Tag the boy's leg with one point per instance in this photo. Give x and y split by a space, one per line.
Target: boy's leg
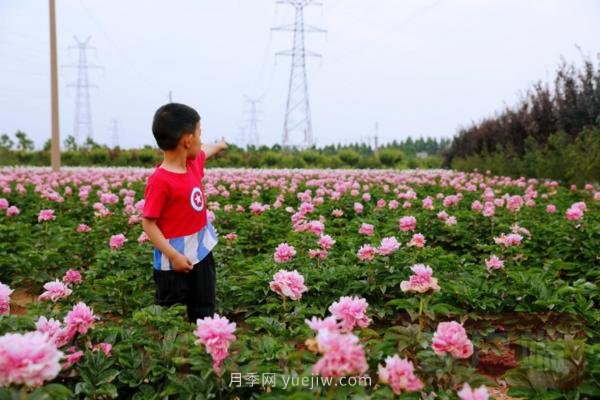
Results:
202 289
171 288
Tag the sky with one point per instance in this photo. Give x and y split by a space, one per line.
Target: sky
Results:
419 68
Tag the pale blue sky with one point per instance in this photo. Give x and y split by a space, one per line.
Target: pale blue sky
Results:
418 67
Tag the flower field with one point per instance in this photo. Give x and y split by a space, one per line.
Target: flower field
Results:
362 284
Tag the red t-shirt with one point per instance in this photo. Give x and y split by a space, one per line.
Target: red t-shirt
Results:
177 200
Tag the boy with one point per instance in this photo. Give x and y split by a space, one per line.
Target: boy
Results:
174 216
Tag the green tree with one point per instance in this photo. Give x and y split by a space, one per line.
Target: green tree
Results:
24 143
6 142
90 144
70 143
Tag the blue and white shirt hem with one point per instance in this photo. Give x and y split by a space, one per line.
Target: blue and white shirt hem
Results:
195 247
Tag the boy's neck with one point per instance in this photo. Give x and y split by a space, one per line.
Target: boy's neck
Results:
174 161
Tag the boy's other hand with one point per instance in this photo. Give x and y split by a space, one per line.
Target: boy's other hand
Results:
181 263
222 144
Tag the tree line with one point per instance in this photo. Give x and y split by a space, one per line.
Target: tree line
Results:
407 153
553 131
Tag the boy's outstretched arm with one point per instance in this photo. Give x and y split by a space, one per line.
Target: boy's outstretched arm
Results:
180 262
210 149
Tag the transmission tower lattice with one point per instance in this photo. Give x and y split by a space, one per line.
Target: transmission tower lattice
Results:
251 131
115 132
297 123
83 114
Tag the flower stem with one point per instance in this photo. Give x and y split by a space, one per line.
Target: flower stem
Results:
421 303
330 392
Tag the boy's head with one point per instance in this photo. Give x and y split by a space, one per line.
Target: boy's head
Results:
172 122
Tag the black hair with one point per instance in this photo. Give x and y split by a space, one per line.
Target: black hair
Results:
171 122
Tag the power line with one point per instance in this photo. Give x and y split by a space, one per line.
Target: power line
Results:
124 56
402 24
297 121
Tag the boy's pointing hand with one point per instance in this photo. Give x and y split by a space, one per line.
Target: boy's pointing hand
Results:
181 263
222 144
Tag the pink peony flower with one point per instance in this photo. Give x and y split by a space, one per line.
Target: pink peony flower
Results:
72 276
3 204
55 290
50 327
46 215
80 318
366 229
450 221
418 240
106 348
257 208
231 236
12 211
408 224
574 214
512 239
28 359
451 337
476 206
216 333
342 355
306 208
350 311
117 241
318 253
451 200
316 323
326 242
5 292
427 203
550 208
83 228
366 253
337 213
466 393
514 203
284 253
63 335
358 208
72 358
316 227
580 205
389 245
210 216
143 238
289 284
399 373
493 263
489 210
421 281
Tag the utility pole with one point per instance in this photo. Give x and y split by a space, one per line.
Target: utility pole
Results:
83 112
297 121
55 147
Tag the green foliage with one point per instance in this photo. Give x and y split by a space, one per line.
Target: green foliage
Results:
561 158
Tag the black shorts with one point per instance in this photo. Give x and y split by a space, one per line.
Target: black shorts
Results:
196 289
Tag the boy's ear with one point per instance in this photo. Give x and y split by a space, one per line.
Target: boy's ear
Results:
186 140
